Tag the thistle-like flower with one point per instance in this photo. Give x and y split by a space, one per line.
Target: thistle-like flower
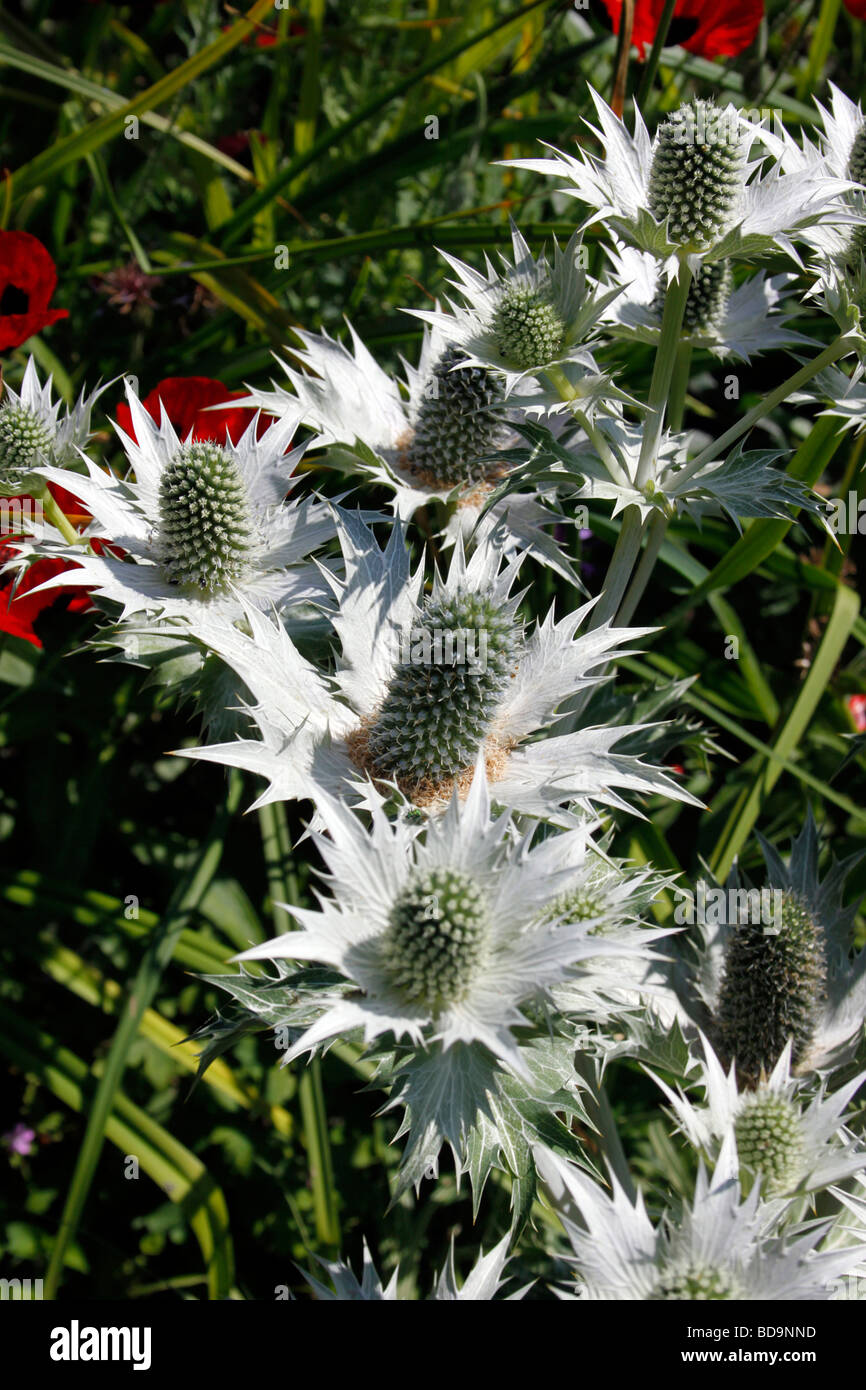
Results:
723 1249
203 527
727 321
426 685
754 986
480 1285
451 941
33 433
446 441
530 316
693 192
790 1139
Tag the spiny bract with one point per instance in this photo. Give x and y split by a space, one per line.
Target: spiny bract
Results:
206 530
771 989
697 173
438 708
457 423
435 944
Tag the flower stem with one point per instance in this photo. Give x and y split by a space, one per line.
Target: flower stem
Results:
283 887
652 62
567 392
58 518
663 370
838 348
655 537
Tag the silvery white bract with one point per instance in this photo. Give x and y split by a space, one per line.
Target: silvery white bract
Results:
842 396
480 1285
203 529
422 685
445 937
791 1139
745 484
454 941
526 317
752 210
441 441
725 1248
730 322
33 432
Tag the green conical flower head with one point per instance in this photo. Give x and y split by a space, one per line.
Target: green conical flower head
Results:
578 905
25 443
435 945
457 423
772 988
857 160
528 328
698 1283
770 1140
698 173
706 300
442 699
205 527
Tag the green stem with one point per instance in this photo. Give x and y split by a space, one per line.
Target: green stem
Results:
621 565
652 64
838 348
283 887
679 386
655 539
58 518
567 392
184 901
663 370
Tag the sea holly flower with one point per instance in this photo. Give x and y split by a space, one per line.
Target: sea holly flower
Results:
444 441
720 30
480 1285
751 987
527 317
450 940
27 279
188 402
33 433
727 320
495 686
692 193
203 528
791 1139
724 1248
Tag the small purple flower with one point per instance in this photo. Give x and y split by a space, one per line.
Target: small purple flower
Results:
20 1139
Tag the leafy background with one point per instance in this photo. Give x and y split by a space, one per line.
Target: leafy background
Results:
312 135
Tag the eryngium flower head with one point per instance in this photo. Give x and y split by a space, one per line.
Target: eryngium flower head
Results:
441 436
697 175
725 320
805 982
416 704
444 936
694 192
32 432
205 525
788 1136
528 316
722 1248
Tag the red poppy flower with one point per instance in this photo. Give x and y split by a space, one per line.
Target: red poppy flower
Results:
857 710
27 279
857 8
19 613
185 399
712 28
